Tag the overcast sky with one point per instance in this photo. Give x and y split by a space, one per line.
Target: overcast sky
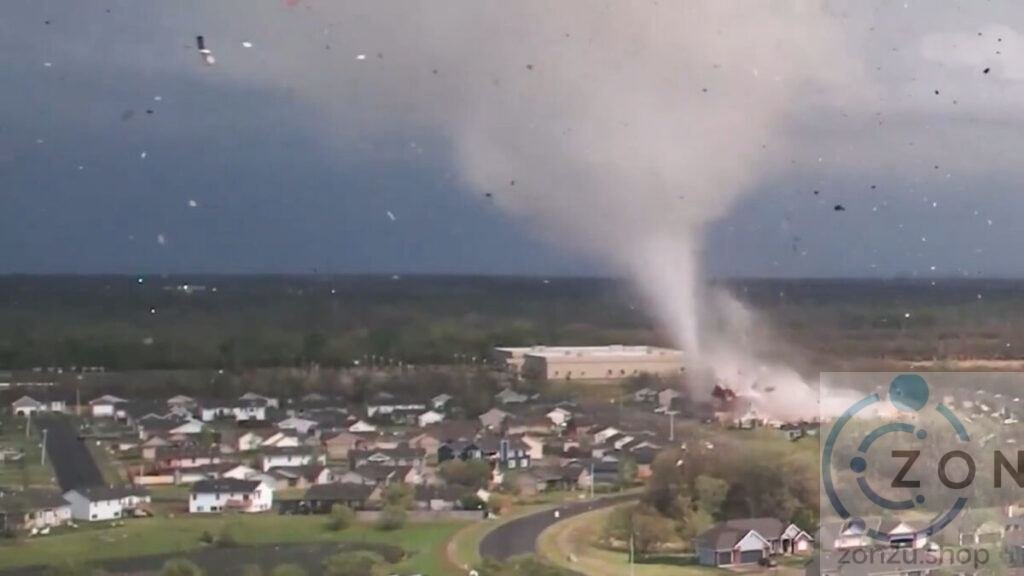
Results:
121 151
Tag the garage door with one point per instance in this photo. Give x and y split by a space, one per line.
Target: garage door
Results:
750 556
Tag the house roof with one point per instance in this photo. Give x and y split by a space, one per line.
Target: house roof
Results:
224 485
399 453
99 493
26 402
107 399
339 492
287 451
28 500
446 493
725 535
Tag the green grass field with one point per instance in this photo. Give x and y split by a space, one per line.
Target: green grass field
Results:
29 472
144 537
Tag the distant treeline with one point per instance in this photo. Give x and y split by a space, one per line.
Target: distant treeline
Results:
239 323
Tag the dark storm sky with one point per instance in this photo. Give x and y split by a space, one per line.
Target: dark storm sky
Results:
239 173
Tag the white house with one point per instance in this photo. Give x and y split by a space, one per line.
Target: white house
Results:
248 441
301 425
95 503
241 472
250 410
106 406
282 439
26 406
228 494
429 417
289 457
559 417
440 402
362 427
266 400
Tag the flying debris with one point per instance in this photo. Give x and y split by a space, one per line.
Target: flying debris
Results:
246 44
360 56
193 204
391 215
205 52
839 208
143 154
986 70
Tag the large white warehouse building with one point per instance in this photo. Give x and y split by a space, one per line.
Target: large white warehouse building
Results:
588 362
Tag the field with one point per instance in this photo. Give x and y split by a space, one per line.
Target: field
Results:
181 536
251 322
29 471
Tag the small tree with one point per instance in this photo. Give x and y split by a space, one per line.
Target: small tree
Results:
341 518
710 493
399 495
392 518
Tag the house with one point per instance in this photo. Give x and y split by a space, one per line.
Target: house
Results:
460 449
534 445
100 503
300 476
667 397
439 498
559 417
169 426
339 445
440 402
375 474
228 494
26 406
322 498
288 457
384 408
509 396
265 400
588 474
33 510
400 456
508 452
645 395
362 427
240 472
493 418
106 406
429 417
282 439
303 426
602 436
248 441
749 540
181 404
538 424
250 408
185 457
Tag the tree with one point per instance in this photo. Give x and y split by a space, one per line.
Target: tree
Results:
710 493
288 570
392 518
473 474
399 496
642 524
627 472
666 484
181 567
341 518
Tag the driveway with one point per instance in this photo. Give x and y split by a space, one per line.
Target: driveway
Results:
519 536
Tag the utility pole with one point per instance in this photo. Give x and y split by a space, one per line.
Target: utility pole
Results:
592 480
28 422
42 455
632 551
672 425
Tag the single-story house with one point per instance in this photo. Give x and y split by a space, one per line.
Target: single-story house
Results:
33 510
106 406
228 494
289 457
320 499
339 445
749 540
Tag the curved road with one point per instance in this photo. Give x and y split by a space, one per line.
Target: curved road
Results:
520 535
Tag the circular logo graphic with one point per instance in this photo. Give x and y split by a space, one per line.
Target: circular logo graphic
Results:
908 393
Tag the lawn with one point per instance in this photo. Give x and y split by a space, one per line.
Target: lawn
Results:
423 542
576 537
29 472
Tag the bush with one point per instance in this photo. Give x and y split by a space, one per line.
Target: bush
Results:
341 518
181 567
226 538
206 537
392 518
349 564
288 570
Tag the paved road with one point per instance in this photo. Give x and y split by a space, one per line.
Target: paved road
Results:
69 456
520 536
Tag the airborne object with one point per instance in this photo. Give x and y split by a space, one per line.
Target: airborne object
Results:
205 52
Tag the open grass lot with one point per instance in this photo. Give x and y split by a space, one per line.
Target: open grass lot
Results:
29 472
152 536
576 537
